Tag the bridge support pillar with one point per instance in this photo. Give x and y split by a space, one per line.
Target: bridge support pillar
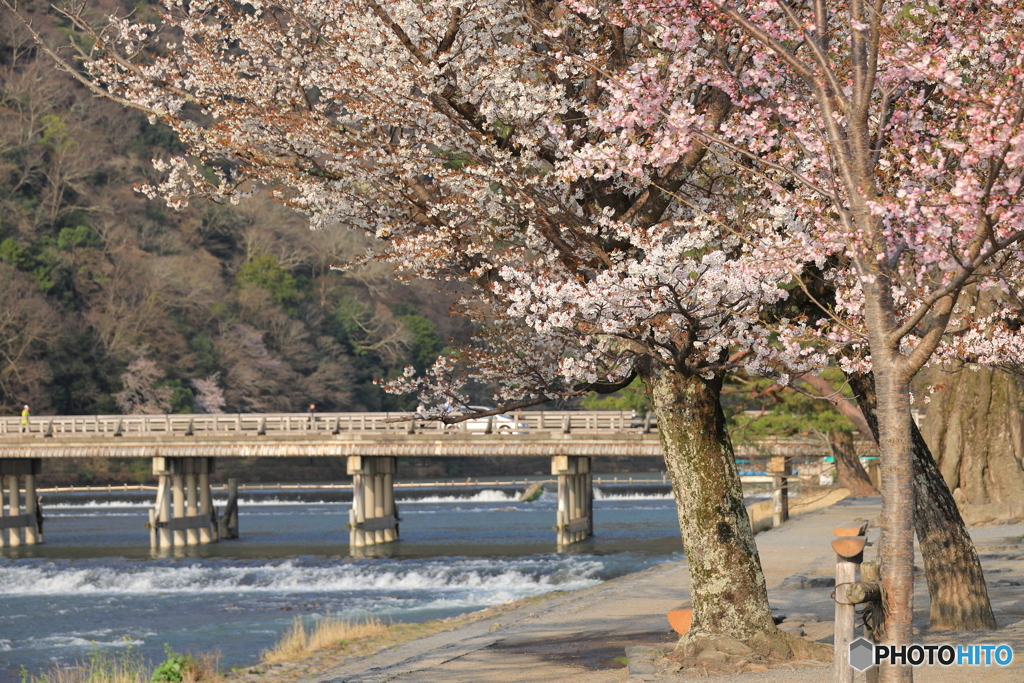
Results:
191 507
574 520
178 505
184 513
229 518
33 534
13 508
12 470
206 508
163 510
373 518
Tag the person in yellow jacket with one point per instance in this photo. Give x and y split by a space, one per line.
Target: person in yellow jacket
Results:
24 419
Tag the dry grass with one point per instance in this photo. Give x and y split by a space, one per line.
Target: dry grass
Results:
202 668
329 631
297 643
126 666
291 646
101 667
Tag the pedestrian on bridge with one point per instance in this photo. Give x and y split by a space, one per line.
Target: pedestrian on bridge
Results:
24 419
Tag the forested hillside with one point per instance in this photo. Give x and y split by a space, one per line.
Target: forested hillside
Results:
116 303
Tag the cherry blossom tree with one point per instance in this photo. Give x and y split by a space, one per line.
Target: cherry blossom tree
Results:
891 133
140 394
459 135
625 190
209 397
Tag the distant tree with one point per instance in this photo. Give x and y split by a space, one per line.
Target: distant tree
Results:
426 343
142 393
790 410
79 236
209 397
372 330
29 328
632 397
255 375
264 271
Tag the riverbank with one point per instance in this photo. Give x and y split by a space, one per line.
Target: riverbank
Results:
581 637
594 652
326 659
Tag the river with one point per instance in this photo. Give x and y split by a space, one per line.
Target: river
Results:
95 584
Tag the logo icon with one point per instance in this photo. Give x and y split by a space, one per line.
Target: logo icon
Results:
862 654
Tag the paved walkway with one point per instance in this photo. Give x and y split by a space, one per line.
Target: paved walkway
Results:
576 638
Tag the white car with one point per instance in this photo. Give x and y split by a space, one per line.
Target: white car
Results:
498 424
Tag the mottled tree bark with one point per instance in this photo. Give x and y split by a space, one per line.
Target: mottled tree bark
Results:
727 586
728 590
956 583
851 472
975 427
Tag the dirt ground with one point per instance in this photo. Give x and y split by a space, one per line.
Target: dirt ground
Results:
581 637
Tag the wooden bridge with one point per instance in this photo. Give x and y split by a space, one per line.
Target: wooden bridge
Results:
183 449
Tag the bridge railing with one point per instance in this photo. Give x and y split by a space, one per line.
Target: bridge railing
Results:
262 424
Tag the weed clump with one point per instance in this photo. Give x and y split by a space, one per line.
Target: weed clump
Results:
327 632
185 668
128 666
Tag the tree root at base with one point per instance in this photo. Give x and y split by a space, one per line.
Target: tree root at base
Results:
720 654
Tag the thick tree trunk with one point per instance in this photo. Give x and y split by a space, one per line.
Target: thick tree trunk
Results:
975 426
729 595
851 472
956 583
727 585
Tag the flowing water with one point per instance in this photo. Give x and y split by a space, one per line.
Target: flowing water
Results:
95 584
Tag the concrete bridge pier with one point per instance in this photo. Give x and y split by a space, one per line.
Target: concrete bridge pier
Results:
206 535
12 470
373 518
184 513
228 525
574 520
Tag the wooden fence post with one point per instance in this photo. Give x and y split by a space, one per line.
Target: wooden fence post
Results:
849 547
780 468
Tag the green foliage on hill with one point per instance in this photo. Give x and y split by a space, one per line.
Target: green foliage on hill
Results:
264 271
116 302
426 342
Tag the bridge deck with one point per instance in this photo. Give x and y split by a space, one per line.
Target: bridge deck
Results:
526 434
